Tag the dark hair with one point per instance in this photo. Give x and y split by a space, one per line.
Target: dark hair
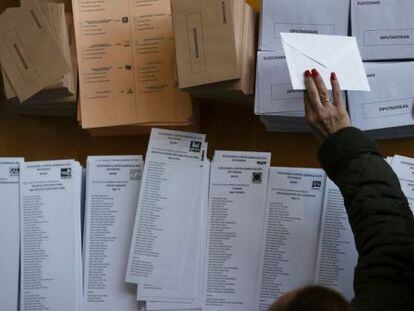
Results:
314 298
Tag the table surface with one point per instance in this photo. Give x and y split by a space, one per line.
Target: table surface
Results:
228 125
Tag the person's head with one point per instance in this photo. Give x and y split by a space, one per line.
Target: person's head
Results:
311 298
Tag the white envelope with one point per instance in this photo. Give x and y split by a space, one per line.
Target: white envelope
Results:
292 16
384 29
391 102
327 54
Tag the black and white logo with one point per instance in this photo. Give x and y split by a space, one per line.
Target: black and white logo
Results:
135 174
14 172
257 177
66 173
316 184
195 146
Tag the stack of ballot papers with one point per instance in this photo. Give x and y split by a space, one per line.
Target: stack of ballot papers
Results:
166 257
237 204
126 67
215 44
37 55
278 103
175 233
50 236
112 190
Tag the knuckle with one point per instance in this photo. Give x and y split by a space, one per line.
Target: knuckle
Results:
311 119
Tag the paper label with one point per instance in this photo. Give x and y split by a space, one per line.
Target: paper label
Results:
21 58
303 29
285 92
195 37
389 108
389 37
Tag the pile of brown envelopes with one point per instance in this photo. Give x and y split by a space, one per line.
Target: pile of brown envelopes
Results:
215 45
37 54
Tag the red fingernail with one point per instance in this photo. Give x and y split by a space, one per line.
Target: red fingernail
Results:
315 73
307 74
333 76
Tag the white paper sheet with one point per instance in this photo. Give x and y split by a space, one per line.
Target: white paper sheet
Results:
50 220
291 230
189 294
171 187
113 185
238 186
9 232
337 254
391 102
384 29
326 18
404 168
327 54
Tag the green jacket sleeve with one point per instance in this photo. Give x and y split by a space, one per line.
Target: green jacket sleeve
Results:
380 218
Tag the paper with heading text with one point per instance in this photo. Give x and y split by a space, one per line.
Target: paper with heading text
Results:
126 64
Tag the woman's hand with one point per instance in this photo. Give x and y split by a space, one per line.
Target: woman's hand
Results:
324 115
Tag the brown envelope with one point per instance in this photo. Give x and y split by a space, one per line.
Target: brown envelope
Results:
246 50
29 53
205 42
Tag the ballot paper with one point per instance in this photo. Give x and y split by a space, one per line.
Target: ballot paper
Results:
189 294
113 185
327 54
337 254
205 41
384 29
29 54
50 202
391 102
162 306
404 168
9 232
323 17
125 56
237 204
169 203
291 229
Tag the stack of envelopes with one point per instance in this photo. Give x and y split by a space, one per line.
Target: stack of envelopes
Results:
215 45
126 68
385 32
280 105
37 54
